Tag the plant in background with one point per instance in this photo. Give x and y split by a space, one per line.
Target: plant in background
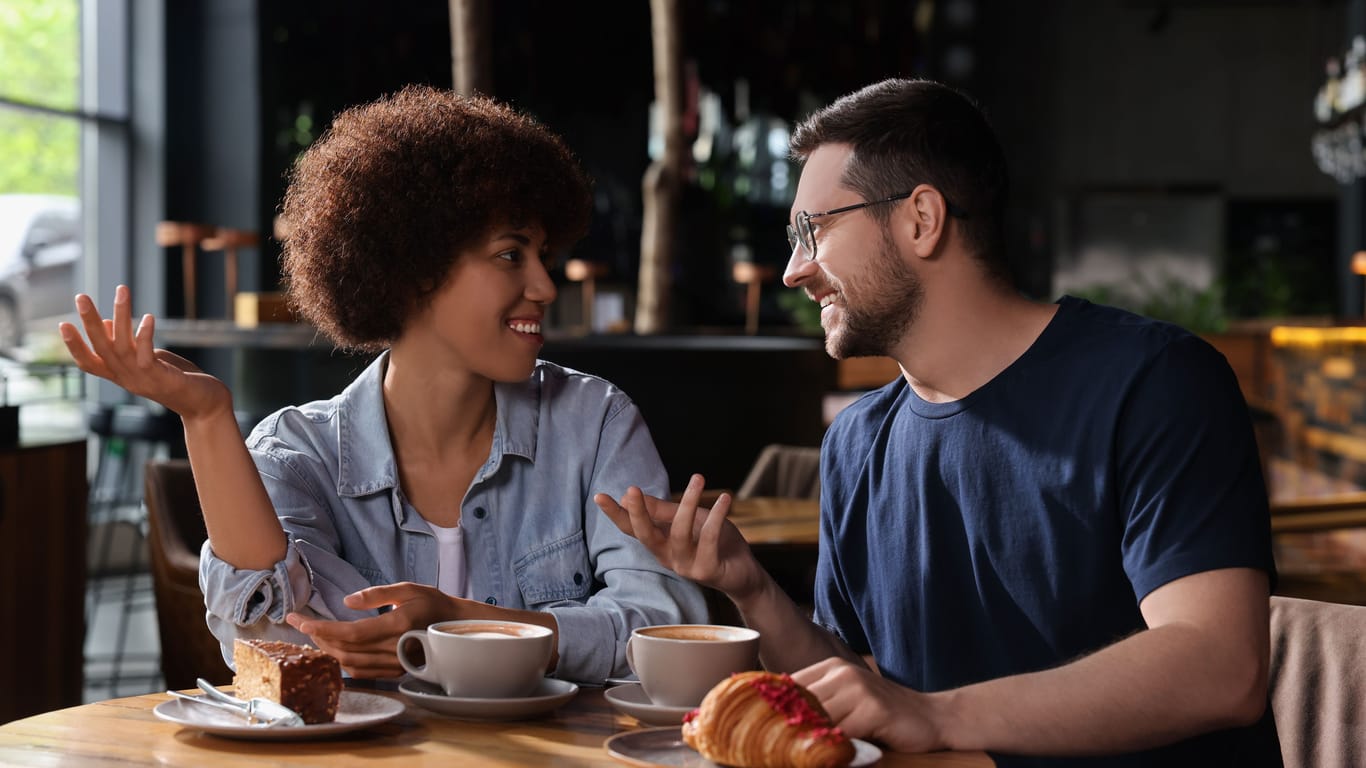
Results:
1168 298
805 313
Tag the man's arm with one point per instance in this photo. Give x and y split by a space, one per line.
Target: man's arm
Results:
702 545
1200 666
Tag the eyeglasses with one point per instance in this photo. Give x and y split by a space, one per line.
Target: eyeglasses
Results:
802 235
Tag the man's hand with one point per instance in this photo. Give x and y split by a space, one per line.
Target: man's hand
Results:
695 542
867 706
368 648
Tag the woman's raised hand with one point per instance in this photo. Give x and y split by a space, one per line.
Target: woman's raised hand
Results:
125 356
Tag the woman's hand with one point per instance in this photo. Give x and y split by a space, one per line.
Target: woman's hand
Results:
369 647
126 357
695 542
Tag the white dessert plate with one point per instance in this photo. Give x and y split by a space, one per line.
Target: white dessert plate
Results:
664 747
356 710
549 695
631 700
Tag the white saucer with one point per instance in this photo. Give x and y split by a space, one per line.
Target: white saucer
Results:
355 710
631 700
551 693
665 748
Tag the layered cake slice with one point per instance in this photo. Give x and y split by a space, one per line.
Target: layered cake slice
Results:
300 677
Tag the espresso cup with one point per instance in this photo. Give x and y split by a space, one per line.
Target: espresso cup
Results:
679 663
480 659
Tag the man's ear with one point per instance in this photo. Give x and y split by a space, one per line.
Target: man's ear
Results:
926 217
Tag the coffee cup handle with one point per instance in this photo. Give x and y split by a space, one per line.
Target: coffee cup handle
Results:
630 660
420 672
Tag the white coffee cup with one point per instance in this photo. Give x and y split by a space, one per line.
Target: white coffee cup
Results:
679 663
481 659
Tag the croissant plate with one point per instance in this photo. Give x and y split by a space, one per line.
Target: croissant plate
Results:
765 720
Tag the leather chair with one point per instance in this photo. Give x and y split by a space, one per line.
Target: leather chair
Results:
176 532
1318 682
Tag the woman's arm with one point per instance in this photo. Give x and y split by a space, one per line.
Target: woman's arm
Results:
238 515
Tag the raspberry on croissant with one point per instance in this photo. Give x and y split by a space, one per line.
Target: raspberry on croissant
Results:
765 720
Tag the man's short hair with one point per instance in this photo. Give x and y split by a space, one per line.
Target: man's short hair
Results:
910 132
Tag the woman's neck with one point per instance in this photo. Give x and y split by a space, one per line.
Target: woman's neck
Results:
436 412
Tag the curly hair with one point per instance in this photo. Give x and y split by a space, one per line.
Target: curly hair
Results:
379 208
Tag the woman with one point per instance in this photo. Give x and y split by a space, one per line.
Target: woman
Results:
454 478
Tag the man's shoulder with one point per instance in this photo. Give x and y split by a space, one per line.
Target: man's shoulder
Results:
1119 340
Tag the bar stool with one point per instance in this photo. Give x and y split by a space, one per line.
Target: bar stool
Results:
752 276
229 240
127 436
586 274
190 237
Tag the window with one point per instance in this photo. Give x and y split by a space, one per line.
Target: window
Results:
64 136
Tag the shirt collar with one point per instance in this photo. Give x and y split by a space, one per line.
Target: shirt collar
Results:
366 454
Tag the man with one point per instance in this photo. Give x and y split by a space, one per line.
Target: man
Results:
1051 533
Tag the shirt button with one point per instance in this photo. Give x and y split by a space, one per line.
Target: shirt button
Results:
578 578
491 600
479 512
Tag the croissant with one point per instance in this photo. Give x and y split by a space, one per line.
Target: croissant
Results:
765 720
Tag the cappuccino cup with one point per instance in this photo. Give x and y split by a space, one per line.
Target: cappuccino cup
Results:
679 663
480 659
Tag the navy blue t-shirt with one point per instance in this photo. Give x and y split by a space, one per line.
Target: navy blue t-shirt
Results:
1018 528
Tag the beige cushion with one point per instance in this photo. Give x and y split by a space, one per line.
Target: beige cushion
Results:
1318 682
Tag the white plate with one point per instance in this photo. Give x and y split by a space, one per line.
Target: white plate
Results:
355 711
631 699
665 748
550 694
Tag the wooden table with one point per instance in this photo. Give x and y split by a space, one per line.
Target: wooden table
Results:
126 733
765 520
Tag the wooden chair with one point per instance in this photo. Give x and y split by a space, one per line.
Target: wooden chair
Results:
176 532
787 471
1318 682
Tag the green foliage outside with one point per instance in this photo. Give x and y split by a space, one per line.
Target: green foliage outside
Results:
40 65
1166 298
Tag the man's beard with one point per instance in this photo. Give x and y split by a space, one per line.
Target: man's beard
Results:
878 307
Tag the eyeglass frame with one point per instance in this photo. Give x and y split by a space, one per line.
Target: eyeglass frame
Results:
794 237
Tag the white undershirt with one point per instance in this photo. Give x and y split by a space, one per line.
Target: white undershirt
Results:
451 576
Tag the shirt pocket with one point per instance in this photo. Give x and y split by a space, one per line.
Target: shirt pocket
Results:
557 571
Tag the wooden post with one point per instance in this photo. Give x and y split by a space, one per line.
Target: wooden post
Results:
471 59
661 186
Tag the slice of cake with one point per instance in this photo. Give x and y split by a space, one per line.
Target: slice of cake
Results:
300 677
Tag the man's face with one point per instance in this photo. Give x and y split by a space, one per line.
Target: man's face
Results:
869 296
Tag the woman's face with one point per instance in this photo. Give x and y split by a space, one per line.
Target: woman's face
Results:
487 316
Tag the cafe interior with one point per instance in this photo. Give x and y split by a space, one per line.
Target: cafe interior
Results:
1196 161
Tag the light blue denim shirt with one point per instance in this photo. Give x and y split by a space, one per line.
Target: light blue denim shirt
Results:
534 539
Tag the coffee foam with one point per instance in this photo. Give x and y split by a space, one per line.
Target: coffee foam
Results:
691 633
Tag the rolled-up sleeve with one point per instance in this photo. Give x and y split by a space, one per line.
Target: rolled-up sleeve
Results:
312 578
